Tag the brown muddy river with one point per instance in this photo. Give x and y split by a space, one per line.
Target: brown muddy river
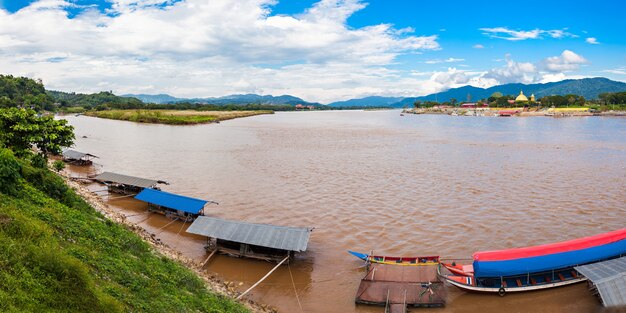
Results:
412 185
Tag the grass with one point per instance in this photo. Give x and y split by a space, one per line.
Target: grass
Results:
175 117
59 255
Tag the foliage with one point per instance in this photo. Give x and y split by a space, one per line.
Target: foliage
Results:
613 98
59 255
563 101
24 92
22 128
9 172
102 99
58 165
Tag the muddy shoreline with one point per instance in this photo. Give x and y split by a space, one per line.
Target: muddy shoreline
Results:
226 288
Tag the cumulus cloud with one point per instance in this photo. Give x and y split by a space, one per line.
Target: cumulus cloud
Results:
512 72
567 61
592 40
551 69
203 48
515 35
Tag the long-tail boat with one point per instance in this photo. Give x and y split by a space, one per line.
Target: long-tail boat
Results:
537 267
397 260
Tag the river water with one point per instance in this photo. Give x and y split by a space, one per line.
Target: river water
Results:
375 180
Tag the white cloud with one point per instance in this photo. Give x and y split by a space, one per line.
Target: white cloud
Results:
512 72
478 46
619 71
448 60
206 48
567 61
515 35
592 40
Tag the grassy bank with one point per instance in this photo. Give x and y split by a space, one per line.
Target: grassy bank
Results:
58 254
175 117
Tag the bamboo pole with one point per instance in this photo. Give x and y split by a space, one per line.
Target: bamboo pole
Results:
207 259
126 196
264 277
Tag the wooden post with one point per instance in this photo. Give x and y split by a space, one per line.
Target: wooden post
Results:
264 277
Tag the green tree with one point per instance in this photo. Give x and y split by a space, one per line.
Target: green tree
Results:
20 129
452 101
417 104
58 165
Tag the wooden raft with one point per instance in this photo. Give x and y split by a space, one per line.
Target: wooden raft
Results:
398 287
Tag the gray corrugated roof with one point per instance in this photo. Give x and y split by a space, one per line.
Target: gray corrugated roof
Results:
76 155
126 180
609 277
278 237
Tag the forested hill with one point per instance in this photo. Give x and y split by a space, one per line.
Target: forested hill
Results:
67 99
24 92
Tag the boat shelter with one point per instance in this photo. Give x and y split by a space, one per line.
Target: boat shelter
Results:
259 241
125 184
607 280
77 157
172 205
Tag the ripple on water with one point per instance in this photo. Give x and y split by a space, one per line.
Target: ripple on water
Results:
375 180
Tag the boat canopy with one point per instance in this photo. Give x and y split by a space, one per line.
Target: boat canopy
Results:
548 257
172 201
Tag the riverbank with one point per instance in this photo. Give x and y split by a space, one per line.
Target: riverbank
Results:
174 117
225 288
552 112
63 249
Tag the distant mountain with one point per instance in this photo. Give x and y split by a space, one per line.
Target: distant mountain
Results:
230 99
159 99
373 101
589 88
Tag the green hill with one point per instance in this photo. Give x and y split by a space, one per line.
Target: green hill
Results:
67 99
24 92
60 255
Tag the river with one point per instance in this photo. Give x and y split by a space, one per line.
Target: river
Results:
375 180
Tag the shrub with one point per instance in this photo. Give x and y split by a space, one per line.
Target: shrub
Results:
58 165
9 172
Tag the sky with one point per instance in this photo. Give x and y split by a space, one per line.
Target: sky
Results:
321 51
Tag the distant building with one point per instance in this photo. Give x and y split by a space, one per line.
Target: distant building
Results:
310 107
521 97
473 105
532 97
299 107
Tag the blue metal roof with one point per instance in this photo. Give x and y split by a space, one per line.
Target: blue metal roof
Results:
172 201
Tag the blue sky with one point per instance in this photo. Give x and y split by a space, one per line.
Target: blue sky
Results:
319 50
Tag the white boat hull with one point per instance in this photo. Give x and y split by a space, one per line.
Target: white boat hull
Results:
515 289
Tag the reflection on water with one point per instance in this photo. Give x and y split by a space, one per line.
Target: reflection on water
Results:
418 184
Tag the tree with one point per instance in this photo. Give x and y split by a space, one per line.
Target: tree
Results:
417 104
452 101
58 165
20 129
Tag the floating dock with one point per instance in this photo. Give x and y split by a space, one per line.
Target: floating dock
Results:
259 241
173 206
397 287
607 280
77 158
125 184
